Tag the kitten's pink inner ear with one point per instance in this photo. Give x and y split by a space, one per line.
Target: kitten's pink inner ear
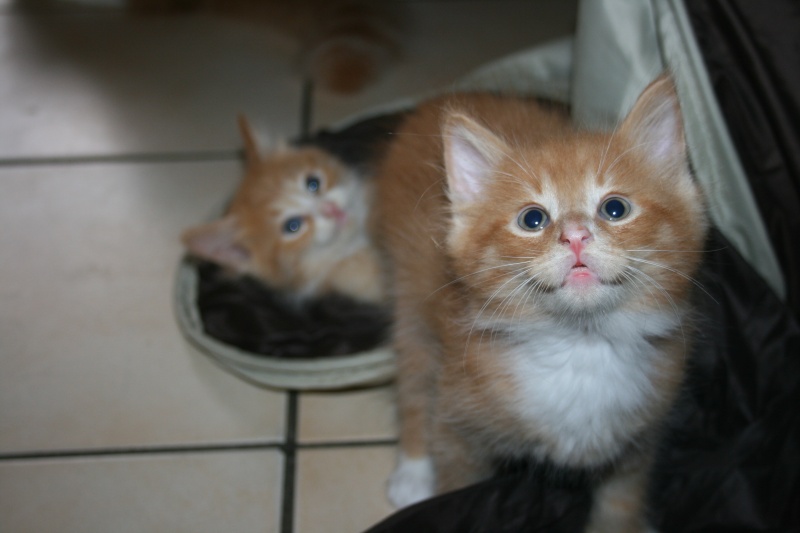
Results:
471 153
655 126
218 242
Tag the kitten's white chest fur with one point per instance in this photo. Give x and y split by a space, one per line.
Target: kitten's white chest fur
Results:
584 390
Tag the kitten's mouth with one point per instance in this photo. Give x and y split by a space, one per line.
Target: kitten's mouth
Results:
333 211
580 274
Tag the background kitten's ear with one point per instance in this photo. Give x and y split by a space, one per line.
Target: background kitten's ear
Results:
251 151
654 126
218 242
471 152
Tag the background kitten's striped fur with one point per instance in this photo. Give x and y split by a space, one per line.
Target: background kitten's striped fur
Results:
541 279
297 222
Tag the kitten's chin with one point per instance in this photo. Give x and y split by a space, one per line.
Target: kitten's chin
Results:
584 291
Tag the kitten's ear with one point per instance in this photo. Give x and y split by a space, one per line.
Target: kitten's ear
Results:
654 126
251 151
471 152
219 242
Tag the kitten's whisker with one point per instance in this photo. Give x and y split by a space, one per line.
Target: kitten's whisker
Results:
512 178
632 148
533 284
422 196
680 251
528 257
605 152
533 173
667 296
504 305
675 271
465 276
524 285
480 312
536 283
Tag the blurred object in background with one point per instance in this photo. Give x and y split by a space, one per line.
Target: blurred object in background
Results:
342 45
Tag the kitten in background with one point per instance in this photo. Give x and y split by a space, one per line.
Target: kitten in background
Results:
541 280
297 223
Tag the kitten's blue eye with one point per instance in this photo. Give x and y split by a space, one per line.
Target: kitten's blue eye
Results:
293 225
313 183
615 208
533 219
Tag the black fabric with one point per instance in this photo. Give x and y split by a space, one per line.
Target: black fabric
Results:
242 312
752 55
507 504
359 144
731 457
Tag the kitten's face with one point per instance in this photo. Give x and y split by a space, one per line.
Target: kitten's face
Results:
296 211
574 239
579 225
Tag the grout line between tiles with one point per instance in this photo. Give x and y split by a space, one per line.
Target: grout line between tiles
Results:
153 157
364 443
289 464
138 451
292 400
289 447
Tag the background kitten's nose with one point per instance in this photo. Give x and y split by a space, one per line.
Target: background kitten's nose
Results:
332 210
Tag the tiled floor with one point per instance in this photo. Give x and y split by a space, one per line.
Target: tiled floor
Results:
115 134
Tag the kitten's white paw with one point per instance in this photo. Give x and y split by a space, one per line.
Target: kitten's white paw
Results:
412 481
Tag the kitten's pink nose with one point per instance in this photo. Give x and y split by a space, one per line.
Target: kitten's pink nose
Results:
331 210
575 234
577 237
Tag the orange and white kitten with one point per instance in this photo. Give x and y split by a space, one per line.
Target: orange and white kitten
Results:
297 222
541 278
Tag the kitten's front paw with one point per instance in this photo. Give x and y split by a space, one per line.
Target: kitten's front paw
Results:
412 481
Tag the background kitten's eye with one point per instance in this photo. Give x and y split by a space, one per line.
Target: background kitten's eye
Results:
313 183
615 208
293 225
533 219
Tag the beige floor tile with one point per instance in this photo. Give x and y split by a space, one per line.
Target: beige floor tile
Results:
88 84
90 353
449 39
347 416
342 490
210 492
